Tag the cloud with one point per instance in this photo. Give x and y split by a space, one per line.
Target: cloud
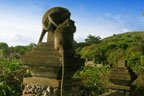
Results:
107 25
21 25
19 33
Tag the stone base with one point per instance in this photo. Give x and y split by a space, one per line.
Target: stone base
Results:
41 81
37 90
40 86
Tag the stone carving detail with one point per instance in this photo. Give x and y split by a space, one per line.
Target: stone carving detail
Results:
38 90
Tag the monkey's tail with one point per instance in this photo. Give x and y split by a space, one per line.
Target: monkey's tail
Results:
62 80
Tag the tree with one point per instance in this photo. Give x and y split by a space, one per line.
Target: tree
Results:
93 39
4 46
30 46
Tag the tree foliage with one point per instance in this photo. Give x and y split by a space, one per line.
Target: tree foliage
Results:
95 79
15 51
11 75
92 39
108 51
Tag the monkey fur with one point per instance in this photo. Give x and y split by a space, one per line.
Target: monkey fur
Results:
52 18
63 39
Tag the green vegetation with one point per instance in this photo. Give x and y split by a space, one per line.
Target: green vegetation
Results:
11 70
14 52
11 75
95 79
129 46
107 51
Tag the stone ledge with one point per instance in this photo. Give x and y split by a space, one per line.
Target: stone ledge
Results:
119 87
41 81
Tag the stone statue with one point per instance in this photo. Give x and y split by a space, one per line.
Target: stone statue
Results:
51 19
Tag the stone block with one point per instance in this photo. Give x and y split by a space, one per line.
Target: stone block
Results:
31 60
119 87
41 81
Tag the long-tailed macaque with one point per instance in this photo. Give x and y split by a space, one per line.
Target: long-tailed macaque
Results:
52 18
63 41
63 38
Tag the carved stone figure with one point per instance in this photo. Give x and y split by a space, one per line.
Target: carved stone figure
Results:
51 19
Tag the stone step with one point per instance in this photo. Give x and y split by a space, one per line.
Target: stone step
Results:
41 58
113 93
51 60
40 68
119 70
121 82
119 73
51 69
44 49
41 81
44 54
45 44
119 77
49 75
119 87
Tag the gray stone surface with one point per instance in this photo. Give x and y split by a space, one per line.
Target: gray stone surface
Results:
120 79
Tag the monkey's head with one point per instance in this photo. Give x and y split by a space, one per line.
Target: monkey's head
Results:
68 26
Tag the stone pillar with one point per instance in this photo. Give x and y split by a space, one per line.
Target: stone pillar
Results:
121 63
45 67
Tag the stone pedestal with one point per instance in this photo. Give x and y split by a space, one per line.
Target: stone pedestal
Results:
44 64
121 63
46 68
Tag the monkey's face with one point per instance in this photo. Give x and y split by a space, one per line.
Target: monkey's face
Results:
69 24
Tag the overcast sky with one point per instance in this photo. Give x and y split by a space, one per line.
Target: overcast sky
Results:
20 20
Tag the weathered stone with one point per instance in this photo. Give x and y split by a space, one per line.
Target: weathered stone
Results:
41 81
121 63
45 54
37 90
119 87
120 78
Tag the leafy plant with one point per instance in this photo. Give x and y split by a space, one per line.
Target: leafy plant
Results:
95 79
11 75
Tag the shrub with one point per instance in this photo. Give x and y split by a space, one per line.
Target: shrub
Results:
11 75
94 79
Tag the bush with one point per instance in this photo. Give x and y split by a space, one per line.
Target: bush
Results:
94 79
11 75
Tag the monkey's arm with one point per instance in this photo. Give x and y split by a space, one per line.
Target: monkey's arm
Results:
42 35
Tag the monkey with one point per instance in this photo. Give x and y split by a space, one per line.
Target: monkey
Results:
52 18
63 43
63 37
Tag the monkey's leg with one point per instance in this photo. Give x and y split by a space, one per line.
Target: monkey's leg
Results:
42 35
